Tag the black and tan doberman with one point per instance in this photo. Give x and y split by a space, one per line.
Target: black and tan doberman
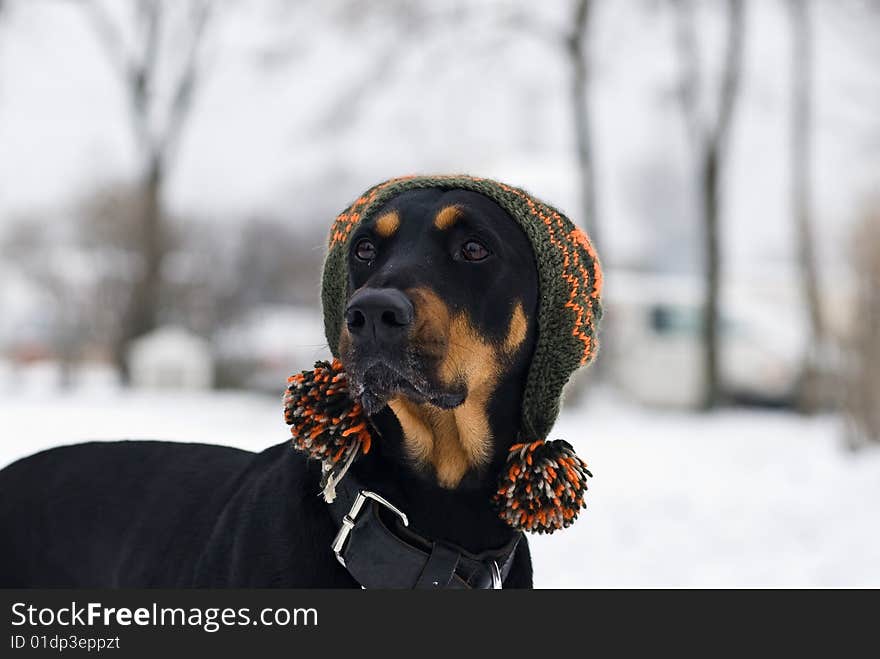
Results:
439 334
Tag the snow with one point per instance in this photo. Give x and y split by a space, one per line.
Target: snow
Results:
732 499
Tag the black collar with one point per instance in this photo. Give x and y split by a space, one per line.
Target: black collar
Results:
378 549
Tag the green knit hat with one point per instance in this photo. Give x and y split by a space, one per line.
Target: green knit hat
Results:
569 279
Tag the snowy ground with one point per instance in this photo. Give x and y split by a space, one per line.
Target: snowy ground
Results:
739 498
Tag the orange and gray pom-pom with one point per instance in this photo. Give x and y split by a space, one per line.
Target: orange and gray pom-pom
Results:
542 487
326 423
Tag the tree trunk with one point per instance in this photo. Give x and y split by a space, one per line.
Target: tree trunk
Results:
712 292
801 156
138 67
579 54
142 313
861 372
714 149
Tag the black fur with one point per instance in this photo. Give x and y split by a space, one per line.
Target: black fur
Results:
161 514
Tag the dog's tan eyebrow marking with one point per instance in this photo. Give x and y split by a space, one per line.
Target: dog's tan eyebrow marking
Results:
388 223
447 216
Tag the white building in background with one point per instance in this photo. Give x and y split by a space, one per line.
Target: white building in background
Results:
271 342
171 358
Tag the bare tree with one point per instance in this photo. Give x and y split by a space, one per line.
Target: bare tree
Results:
37 253
801 160
109 223
156 129
413 24
709 138
574 44
579 58
862 349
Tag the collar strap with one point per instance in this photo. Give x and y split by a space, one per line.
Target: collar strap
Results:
378 549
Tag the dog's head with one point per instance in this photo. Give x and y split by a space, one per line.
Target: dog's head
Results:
441 308
463 304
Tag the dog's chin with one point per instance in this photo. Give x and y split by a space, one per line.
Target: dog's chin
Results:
378 384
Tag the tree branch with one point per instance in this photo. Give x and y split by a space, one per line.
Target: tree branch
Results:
185 86
578 51
689 61
581 18
141 79
109 37
534 27
731 73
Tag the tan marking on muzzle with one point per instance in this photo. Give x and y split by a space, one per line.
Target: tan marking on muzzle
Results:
344 341
455 441
516 332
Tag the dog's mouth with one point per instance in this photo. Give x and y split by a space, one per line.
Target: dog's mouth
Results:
376 382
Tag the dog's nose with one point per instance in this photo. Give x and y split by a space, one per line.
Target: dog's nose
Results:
384 314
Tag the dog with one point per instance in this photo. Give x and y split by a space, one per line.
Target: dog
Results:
439 333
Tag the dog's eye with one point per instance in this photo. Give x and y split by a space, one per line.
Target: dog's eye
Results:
365 250
474 251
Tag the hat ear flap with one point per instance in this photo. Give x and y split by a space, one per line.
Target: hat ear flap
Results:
542 487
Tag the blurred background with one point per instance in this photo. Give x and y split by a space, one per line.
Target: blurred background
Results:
169 172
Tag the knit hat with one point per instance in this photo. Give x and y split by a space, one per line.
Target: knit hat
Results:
569 282
542 487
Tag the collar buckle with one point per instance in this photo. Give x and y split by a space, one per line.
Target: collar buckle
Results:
349 520
496 576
